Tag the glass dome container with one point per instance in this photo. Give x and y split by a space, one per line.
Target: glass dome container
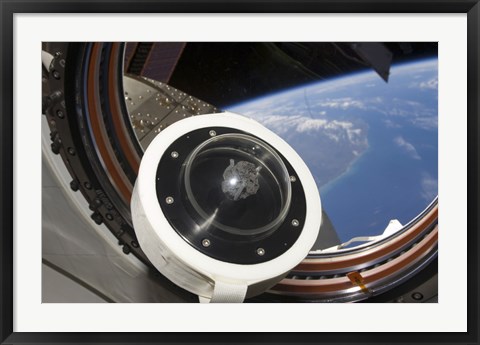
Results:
238 184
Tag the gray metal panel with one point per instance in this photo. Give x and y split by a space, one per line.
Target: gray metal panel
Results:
153 106
73 243
377 55
327 237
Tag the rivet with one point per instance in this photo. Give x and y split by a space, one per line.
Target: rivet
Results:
169 200
174 154
293 178
212 133
206 242
295 222
261 251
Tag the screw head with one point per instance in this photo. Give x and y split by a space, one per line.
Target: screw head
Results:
169 200
174 154
293 178
74 185
295 222
212 133
206 242
417 296
260 251
60 114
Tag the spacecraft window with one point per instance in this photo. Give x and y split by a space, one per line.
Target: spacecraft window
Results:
371 145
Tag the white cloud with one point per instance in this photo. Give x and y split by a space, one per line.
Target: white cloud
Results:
391 124
341 103
426 122
431 84
416 113
407 147
429 187
309 125
334 130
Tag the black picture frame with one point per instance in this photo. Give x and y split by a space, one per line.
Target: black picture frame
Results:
10 7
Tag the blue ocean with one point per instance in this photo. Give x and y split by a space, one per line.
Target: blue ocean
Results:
378 141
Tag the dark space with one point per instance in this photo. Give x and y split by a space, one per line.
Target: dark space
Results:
228 73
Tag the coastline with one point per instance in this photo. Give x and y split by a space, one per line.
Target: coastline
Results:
351 168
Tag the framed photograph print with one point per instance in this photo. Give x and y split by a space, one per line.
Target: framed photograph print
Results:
239 172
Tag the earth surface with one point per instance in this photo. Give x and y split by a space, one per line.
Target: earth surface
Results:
371 146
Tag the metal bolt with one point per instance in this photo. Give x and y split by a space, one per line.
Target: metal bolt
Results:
295 222
56 74
206 242
293 178
417 296
261 251
74 185
60 114
174 154
97 218
71 151
55 147
212 133
87 185
109 216
169 200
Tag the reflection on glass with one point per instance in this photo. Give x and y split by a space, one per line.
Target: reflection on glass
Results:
371 146
238 183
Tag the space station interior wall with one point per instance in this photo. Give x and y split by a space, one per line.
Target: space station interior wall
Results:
72 243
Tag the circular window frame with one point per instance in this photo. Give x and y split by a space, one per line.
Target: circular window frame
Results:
91 130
